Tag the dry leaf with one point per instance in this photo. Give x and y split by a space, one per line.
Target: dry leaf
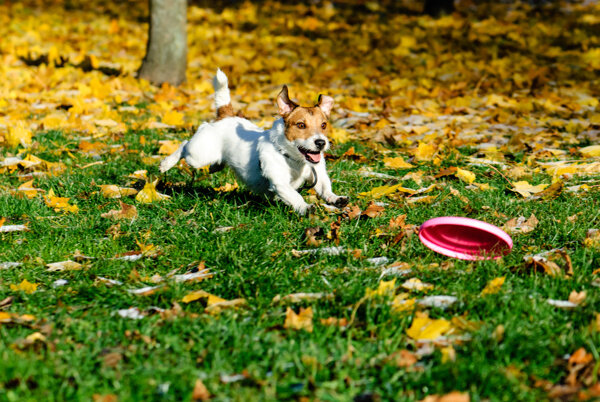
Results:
397 163
149 194
493 286
521 225
425 328
200 392
126 212
25 286
302 320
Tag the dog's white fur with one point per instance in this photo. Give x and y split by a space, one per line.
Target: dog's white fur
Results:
266 161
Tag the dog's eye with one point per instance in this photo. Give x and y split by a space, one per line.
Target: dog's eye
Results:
323 126
301 125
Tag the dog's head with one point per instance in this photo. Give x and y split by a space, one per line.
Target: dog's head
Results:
306 128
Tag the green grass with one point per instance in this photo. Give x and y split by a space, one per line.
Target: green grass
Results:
162 358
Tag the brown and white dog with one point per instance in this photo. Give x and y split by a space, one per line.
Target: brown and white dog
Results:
277 161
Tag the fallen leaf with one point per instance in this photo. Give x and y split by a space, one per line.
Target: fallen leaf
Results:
63 266
493 286
521 225
465 175
25 286
173 118
114 191
415 284
149 194
302 320
167 147
397 163
591 151
577 297
385 288
373 210
126 212
200 392
59 203
201 294
526 189
425 328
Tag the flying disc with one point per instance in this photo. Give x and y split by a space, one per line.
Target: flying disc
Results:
465 238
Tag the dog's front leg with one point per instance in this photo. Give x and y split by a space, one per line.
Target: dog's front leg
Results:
290 196
323 187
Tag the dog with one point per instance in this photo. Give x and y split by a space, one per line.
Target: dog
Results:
278 161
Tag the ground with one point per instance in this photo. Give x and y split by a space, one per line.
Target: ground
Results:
119 283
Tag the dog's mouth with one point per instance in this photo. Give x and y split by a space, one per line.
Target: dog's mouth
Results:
311 156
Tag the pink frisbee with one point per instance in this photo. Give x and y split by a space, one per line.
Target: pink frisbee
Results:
465 238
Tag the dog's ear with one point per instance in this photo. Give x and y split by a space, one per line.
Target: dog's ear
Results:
325 103
284 103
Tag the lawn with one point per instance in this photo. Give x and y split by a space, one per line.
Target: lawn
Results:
126 284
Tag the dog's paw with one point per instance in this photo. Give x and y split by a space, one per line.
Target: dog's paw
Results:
341 202
305 209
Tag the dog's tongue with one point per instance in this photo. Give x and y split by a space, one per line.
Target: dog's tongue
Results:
314 157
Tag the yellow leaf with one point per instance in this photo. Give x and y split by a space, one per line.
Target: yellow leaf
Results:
173 118
25 286
28 190
201 294
63 266
127 212
382 191
59 203
149 194
302 320
416 284
385 288
397 163
227 188
591 151
465 175
526 189
424 152
114 191
493 286
424 328
401 303
167 147
18 135
339 135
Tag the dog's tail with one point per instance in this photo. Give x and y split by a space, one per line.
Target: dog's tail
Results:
222 98
172 159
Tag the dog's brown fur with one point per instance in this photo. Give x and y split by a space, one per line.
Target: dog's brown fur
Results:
301 122
225 111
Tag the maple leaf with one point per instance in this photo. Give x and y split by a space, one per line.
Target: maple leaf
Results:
114 191
173 118
200 392
25 286
302 320
59 203
526 189
167 147
385 288
493 286
425 328
397 163
416 284
521 224
126 212
465 175
149 194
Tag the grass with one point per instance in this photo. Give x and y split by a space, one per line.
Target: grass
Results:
89 350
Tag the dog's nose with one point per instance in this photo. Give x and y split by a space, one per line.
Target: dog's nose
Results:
320 144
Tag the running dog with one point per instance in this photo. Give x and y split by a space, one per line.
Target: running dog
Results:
276 162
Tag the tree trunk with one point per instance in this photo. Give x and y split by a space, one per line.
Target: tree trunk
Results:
437 7
166 51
